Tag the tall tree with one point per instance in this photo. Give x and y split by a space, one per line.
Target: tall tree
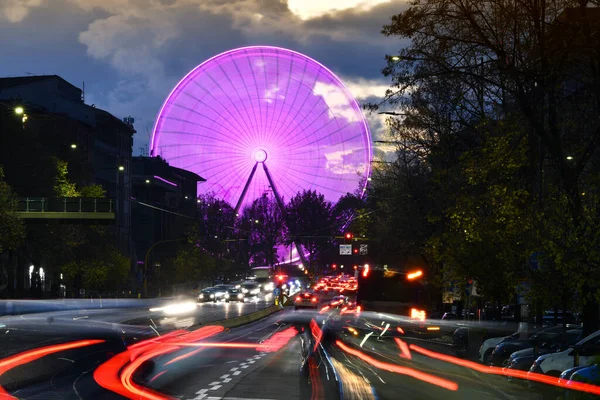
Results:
311 222
264 223
471 63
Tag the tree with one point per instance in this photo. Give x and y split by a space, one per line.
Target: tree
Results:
310 222
63 187
106 270
191 264
472 64
263 221
215 225
12 229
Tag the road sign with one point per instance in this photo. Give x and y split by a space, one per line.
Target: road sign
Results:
345 249
363 249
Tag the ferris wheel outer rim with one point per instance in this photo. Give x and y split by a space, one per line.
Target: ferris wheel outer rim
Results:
179 86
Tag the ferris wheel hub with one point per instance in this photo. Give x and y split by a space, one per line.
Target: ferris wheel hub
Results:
260 156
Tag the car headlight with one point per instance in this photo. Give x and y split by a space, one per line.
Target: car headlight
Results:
212 296
240 295
201 296
226 295
244 290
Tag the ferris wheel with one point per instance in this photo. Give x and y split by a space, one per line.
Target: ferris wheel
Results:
262 119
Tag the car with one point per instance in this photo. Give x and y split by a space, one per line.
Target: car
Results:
553 338
586 351
221 292
486 349
522 359
306 300
206 294
234 294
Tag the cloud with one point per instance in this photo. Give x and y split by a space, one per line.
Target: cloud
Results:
17 10
309 9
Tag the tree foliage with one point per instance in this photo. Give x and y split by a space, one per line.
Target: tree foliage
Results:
500 102
264 224
12 229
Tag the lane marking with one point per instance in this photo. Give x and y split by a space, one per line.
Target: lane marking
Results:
202 391
216 387
224 376
227 380
214 383
237 372
234 369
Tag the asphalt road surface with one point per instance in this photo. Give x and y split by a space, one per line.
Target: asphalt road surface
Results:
285 356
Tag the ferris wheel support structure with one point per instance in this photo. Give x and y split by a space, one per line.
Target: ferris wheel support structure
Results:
280 204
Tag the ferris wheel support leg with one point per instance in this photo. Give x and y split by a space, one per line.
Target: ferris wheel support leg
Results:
283 212
241 200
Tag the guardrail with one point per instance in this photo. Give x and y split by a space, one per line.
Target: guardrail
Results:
66 208
66 204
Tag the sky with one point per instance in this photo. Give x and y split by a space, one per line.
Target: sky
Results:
131 53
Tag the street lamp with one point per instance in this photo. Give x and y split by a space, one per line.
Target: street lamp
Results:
395 58
121 168
569 158
73 146
147 180
19 110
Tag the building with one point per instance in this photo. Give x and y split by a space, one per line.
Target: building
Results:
96 145
164 205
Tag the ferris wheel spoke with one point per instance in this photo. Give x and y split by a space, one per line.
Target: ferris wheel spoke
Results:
204 116
296 94
267 105
256 130
249 129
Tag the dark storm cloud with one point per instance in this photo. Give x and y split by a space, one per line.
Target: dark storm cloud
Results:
132 52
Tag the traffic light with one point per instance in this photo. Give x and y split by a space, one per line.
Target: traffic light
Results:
355 267
349 236
334 266
355 251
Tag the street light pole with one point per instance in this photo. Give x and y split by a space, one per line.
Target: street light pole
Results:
146 261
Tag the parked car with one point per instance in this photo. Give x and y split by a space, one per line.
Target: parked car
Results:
551 337
488 345
523 359
583 353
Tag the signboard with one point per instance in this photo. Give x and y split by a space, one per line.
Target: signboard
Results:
363 249
345 249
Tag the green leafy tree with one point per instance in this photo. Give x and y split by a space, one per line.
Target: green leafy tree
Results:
63 187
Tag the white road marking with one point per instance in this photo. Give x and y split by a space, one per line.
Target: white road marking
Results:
224 376
251 362
237 372
216 387
234 369
244 366
214 383
227 380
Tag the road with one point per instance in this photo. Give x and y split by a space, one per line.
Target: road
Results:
274 358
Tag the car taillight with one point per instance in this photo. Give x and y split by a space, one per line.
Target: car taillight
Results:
298 298
314 300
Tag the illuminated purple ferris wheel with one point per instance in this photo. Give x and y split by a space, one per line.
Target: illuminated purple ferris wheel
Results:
270 109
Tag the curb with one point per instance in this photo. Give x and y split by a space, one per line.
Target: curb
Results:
248 318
